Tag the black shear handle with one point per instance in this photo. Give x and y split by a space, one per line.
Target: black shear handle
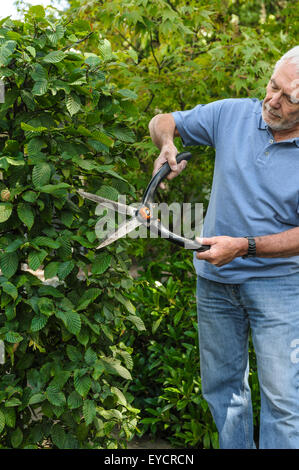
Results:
148 199
165 169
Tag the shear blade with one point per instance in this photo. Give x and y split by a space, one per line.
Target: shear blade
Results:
124 228
116 206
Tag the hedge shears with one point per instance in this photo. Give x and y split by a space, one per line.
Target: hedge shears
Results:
143 215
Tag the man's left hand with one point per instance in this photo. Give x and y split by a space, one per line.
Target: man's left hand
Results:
223 249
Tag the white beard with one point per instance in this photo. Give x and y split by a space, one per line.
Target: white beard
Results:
277 126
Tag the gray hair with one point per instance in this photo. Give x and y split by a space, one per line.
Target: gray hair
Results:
291 56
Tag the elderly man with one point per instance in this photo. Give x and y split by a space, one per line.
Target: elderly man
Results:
249 279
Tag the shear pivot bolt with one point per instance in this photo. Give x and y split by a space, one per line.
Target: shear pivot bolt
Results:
145 213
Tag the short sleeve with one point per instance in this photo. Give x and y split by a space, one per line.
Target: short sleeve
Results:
199 125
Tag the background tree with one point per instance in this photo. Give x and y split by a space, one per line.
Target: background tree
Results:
179 54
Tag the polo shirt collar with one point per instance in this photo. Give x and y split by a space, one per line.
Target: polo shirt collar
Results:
261 124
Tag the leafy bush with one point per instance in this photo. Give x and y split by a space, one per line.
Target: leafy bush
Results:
66 374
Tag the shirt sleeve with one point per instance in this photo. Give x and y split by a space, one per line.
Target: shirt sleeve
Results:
199 125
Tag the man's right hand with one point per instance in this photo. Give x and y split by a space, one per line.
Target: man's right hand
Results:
163 130
168 154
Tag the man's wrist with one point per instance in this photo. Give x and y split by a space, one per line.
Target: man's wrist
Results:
243 248
166 142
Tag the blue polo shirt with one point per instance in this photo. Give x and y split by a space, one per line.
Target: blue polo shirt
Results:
255 188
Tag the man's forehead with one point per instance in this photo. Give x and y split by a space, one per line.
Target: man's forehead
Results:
286 75
289 83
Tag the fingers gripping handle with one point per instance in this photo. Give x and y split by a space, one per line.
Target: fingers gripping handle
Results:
165 169
148 199
162 173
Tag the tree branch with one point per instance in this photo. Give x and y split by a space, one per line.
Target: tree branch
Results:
153 52
78 42
140 53
172 6
149 103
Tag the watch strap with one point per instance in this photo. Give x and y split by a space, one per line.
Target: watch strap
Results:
251 247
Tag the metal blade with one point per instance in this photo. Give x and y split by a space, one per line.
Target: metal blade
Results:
117 206
123 229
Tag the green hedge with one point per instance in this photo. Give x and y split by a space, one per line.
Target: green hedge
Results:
66 372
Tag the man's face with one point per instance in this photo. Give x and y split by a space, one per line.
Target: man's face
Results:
281 104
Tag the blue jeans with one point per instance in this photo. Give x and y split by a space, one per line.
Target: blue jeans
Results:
269 307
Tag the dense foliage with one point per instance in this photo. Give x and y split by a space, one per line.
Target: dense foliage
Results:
66 370
80 92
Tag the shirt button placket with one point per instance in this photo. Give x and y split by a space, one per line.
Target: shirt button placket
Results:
267 153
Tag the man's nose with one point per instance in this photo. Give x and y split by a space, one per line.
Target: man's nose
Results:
275 100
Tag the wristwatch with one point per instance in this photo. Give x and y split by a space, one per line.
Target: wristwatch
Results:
251 248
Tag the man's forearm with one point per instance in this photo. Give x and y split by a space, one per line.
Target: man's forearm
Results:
279 245
162 129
